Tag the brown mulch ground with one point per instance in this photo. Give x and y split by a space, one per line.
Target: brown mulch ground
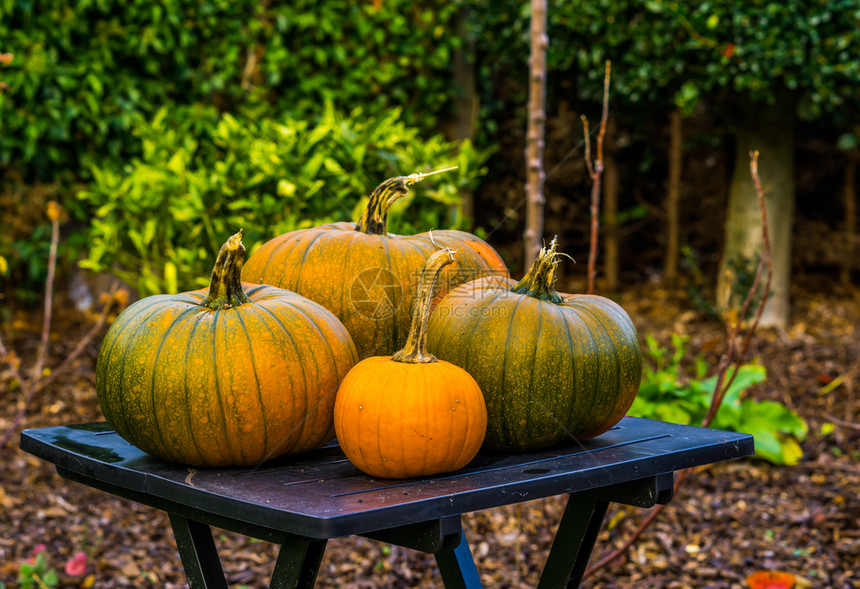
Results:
726 521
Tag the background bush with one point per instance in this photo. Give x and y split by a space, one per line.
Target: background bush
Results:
160 220
85 69
88 77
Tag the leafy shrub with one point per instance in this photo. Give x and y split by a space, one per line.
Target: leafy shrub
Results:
79 77
83 69
160 220
671 392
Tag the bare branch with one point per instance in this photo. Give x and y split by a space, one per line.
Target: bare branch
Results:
32 388
38 381
764 264
587 139
596 172
731 360
54 212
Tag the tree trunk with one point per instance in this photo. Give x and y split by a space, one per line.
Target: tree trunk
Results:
535 174
673 199
610 210
770 130
850 196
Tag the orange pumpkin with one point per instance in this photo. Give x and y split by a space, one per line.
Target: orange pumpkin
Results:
224 377
409 414
367 277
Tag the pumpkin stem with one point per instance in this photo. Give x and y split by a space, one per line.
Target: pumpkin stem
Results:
225 289
539 281
415 350
375 217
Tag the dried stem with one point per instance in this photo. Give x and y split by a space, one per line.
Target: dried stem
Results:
731 360
30 389
734 358
39 380
595 170
842 422
54 215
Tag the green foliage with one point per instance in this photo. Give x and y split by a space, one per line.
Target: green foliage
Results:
84 69
667 52
37 574
86 76
159 222
675 393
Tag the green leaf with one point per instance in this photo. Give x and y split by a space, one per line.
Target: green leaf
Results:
51 579
777 448
747 376
847 141
673 414
170 281
776 416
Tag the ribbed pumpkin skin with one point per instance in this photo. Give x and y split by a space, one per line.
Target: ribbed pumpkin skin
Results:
398 420
335 265
548 371
228 387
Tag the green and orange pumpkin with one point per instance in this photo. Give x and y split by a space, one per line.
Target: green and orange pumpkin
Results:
551 366
232 375
366 276
410 415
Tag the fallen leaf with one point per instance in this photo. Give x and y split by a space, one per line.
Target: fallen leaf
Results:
771 580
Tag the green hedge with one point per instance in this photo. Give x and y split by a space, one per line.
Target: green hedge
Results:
86 71
88 76
159 221
673 51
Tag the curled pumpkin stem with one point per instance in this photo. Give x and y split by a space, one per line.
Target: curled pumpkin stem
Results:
415 350
225 289
539 281
374 220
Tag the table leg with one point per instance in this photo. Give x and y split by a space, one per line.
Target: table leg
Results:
457 566
574 541
198 553
298 564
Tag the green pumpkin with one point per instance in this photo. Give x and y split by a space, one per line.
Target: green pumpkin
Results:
229 376
551 366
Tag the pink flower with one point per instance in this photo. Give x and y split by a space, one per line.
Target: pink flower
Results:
36 550
77 565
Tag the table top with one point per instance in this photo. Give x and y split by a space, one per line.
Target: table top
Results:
321 495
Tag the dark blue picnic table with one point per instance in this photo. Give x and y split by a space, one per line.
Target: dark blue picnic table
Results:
300 502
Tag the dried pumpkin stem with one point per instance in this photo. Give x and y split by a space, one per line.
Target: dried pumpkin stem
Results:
539 281
225 289
375 217
415 350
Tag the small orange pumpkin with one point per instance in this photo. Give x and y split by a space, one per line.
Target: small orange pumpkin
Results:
410 414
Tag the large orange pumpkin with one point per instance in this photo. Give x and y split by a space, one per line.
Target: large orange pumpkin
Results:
224 376
410 415
551 366
366 276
